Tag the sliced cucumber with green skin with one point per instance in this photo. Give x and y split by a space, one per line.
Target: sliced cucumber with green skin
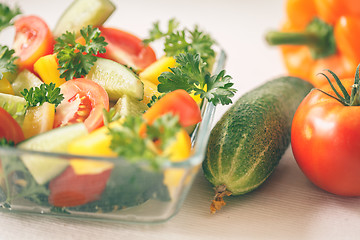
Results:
82 13
44 168
14 105
129 106
248 141
25 79
116 79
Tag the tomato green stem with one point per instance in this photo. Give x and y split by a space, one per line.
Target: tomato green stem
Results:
345 98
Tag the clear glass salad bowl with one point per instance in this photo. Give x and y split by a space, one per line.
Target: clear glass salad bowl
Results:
134 192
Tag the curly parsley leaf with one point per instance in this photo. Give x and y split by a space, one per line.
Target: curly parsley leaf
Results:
133 142
154 99
218 89
183 41
36 96
6 60
7 15
17 176
156 33
76 59
191 76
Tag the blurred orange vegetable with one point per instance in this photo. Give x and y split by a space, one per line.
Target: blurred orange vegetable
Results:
318 35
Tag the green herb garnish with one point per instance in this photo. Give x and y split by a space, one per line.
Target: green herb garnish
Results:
36 96
154 99
191 76
7 15
110 116
75 59
129 142
6 143
183 41
6 60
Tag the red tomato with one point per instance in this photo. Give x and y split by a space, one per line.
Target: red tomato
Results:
33 39
325 142
9 128
126 49
70 189
178 102
84 101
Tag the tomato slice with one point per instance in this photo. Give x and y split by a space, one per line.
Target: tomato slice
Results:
178 102
70 189
33 39
9 128
126 49
84 101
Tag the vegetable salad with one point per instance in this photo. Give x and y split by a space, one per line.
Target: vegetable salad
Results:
100 91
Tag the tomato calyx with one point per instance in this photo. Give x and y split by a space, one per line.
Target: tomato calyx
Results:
345 98
318 36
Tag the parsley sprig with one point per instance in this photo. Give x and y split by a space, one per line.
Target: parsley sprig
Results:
6 143
183 41
6 60
76 59
7 15
129 142
190 75
36 96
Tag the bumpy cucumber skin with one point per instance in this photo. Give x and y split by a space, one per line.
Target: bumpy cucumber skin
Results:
249 140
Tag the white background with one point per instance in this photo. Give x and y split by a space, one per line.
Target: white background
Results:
287 206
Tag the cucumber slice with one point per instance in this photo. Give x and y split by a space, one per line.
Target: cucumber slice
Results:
25 79
116 79
82 13
14 105
129 106
44 168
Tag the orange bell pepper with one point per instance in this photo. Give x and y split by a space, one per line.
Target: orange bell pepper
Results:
318 35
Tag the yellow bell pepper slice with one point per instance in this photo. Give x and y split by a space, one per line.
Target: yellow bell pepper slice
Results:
5 86
38 119
96 143
150 89
47 68
179 151
153 71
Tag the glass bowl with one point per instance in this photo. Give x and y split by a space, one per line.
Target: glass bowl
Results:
134 192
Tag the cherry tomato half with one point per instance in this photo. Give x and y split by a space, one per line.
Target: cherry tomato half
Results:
126 49
9 128
84 101
33 39
325 142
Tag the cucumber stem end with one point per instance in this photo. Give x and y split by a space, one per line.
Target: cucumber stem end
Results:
218 202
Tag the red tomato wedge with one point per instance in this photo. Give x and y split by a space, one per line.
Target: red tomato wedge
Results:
70 189
9 128
126 49
84 101
178 102
33 39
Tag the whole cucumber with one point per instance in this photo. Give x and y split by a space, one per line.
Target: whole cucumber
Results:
249 140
